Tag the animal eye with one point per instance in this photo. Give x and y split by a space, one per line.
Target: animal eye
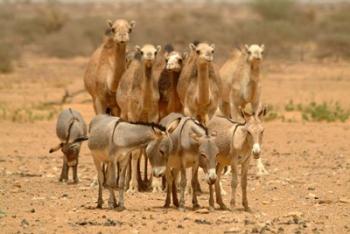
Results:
180 60
166 60
130 30
212 51
249 52
155 53
204 156
141 52
198 52
113 30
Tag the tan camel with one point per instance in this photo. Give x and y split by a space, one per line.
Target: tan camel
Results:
138 96
106 67
169 101
199 85
241 85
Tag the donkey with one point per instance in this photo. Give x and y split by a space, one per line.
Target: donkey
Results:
236 143
188 146
111 141
71 130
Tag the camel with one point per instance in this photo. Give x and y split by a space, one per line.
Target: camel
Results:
138 96
199 85
241 85
107 65
169 101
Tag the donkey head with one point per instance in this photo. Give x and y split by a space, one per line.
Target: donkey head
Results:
254 130
207 151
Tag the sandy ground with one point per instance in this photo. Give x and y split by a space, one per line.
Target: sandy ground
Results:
307 190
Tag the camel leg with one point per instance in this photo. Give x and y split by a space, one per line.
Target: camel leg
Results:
218 187
100 108
244 182
134 161
261 168
234 183
116 111
123 168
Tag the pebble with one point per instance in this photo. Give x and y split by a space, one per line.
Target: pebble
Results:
232 230
202 211
344 200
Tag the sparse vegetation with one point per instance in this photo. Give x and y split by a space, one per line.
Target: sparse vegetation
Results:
25 114
313 111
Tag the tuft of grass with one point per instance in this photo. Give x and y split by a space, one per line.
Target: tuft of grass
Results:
271 114
8 54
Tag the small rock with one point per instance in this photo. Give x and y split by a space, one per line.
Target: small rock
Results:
233 230
202 211
324 202
32 210
180 226
344 200
24 222
202 221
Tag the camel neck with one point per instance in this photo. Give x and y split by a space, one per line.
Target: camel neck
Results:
203 83
119 64
173 96
254 73
147 86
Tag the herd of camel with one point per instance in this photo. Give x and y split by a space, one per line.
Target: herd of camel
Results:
176 110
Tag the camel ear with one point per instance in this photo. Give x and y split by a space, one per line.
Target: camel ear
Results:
212 46
159 48
262 47
132 23
138 48
195 137
173 125
192 47
109 23
184 55
246 47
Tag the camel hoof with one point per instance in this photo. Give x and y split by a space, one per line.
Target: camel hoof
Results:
166 206
120 208
182 209
211 208
247 209
112 205
223 207
196 207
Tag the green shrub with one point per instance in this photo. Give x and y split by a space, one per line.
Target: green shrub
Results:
325 112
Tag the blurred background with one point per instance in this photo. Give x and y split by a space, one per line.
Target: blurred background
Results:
45 46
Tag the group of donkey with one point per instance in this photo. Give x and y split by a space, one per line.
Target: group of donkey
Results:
174 108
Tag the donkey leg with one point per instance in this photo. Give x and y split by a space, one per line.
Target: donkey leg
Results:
174 174
194 182
64 172
169 188
110 184
75 174
100 177
123 168
211 198
244 182
234 183
183 183
133 182
219 189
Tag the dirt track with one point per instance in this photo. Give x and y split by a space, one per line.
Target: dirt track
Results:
307 190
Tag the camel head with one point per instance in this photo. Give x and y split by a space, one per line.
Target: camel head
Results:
254 54
173 61
120 30
148 53
204 51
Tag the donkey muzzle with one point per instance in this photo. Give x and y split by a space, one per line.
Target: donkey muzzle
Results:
211 176
158 171
256 150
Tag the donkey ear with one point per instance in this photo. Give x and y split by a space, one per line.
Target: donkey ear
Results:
244 114
173 125
132 23
262 112
157 131
192 47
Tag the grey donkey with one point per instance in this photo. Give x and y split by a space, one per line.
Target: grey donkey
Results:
111 141
71 130
236 143
188 146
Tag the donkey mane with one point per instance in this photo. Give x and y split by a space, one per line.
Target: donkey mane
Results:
152 124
